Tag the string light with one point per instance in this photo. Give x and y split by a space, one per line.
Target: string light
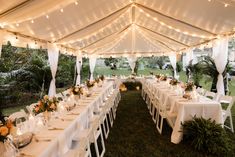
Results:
17 24
76 3
149 41
114 44
226 5
62 10
47 16
173 28
32 21
101 30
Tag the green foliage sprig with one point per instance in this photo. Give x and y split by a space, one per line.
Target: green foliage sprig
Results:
206 136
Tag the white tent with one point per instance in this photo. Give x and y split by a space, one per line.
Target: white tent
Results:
116 27
106 28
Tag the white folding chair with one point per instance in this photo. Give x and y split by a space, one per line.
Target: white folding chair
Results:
82 151
162 114
227 112
210 95
18 115
201 91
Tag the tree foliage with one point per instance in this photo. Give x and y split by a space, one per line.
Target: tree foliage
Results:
66 71
111 62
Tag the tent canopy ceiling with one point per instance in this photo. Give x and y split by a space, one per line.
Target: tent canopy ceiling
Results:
119 27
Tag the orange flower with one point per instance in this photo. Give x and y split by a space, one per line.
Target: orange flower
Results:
4 130
40 103
9 124
36 109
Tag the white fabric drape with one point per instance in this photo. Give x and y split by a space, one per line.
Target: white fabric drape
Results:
92 62
220 56
132 62
53 56
189 57
78 66
1 41
172 58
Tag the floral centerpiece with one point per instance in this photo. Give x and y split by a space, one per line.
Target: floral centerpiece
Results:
102 77
5 129
163 78
173 82
46 104
97 80
158 76
188 88
90 84
76 90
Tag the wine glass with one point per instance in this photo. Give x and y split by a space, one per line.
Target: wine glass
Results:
19 125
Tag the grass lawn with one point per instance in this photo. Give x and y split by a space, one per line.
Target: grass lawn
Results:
134 134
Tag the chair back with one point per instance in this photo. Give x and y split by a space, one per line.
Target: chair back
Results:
18 115
228 100
201 91
211 95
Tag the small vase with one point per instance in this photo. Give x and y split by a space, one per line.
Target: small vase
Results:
46 116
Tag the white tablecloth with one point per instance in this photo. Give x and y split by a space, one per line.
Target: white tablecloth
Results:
185 109
74 121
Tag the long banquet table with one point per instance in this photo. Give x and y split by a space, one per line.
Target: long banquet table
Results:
55 142
184 109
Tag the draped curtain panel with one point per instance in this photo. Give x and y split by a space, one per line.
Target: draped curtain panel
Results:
78 66
189 57
132 62
53 56
172 58
92 62
220 56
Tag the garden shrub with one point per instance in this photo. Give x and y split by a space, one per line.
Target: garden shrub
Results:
206 136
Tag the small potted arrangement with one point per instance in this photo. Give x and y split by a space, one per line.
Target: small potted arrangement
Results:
188 88
46 106
76 91
90 85
102 77
6 128
158 76
163 78
173 82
